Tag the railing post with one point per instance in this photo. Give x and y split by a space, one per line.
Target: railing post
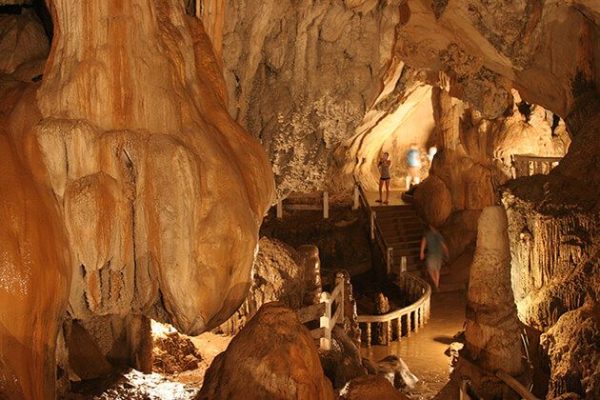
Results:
341 282
368 334
325 322
356 203
279 209
389 332
372 225
403 266
399 327
325 205
463 390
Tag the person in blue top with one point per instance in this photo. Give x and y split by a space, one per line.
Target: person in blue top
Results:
384 177
433 242
413 161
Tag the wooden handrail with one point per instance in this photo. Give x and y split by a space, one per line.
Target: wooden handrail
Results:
527 157
323 313
526 164
510 381
516 385
402 311
417 313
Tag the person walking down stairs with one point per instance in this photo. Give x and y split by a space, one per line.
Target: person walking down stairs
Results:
433 242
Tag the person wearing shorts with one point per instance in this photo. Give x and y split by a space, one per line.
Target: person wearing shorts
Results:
384 177
413 162
433 250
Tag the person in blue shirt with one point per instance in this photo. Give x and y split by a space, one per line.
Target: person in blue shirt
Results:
384 176
413 161
433 242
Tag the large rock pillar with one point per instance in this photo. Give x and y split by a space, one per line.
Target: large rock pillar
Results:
492 331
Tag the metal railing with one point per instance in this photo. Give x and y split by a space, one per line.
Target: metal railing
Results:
412 317
387 252
527 165
326 313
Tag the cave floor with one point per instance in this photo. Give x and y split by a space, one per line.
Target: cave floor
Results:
423 352
395 198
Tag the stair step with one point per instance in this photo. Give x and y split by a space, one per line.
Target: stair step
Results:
402 237
413 228
399 244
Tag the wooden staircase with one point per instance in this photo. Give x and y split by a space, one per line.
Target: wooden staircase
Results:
402 230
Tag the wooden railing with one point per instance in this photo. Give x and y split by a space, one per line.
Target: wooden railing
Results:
412 317
527 165
329 312
313 206
466 386
387 252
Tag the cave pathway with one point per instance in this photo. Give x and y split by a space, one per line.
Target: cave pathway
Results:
424 351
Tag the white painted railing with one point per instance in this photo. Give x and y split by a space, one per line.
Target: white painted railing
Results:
315 204
329 312
527 165
412 317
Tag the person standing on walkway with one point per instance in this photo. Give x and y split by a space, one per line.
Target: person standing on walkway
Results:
433 242
413 161
384 176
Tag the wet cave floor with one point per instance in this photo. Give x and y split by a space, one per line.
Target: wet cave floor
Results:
424 351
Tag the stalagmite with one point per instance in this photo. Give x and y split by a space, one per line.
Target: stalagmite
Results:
491 331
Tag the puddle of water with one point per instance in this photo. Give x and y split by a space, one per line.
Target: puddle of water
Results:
423 352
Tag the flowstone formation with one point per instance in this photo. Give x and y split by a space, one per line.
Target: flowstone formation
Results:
144 186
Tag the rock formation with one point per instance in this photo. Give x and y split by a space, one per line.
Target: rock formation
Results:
126 161
371 387
273 357
278 275
570 344
300 76
492 330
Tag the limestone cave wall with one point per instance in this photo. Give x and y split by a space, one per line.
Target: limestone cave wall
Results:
301 75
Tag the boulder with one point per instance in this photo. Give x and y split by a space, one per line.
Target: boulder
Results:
395 370
433 200
371 387
343 362
273 357
276 277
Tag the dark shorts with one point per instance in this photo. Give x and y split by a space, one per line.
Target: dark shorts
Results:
385 179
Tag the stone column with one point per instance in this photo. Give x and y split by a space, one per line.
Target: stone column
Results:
308 258
492 330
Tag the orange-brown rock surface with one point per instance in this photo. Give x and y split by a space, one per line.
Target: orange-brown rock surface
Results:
273 357
127 186
162 191
371 387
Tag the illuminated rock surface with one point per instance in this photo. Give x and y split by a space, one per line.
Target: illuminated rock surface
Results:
127 187
273 357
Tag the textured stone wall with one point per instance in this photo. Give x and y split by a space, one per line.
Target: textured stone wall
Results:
300 76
